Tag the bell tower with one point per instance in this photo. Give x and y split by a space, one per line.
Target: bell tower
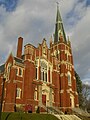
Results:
66 94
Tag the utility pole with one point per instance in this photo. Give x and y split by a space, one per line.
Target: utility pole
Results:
2 96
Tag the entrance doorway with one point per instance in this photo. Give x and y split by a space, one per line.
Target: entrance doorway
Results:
44 100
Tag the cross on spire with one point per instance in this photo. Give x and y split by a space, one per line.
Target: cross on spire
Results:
57 3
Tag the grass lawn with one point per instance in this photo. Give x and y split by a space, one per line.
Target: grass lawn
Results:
27 116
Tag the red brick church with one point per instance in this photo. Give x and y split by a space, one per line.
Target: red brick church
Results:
41 76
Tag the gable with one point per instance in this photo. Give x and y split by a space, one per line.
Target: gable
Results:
9 60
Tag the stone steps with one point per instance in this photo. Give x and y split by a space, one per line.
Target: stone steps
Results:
67 117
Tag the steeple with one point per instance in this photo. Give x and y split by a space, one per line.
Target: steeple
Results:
59 29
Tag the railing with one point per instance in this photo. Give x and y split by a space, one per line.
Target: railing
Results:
80 111
58 110
46 108
52 110
55 110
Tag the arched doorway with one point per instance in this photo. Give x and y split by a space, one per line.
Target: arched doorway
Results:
45 97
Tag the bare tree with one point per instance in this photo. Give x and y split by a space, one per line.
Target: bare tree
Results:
88 106
86 95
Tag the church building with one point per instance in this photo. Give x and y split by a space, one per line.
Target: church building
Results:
40 76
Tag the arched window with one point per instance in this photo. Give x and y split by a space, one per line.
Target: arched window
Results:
69 78
36 70
20 71
18 93
8 70
44 71
9 67
16 71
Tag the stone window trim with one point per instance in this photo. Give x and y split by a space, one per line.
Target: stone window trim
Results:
16 71
36 69
18 93
45 67
9 67
19 71
44 74
35 95
69 78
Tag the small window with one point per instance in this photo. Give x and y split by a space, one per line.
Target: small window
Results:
41 75
36 73
69 78
46 76
16 71
20 71
18 93
9 67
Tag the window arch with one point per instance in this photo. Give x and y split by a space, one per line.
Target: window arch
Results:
69 78
8 70
43 71
18 93
20 71
36 69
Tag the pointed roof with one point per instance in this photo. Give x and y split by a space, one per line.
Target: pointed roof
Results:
58 17
59 29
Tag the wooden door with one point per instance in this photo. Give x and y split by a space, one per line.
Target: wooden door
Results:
44 99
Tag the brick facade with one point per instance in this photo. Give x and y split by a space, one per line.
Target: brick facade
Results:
40 76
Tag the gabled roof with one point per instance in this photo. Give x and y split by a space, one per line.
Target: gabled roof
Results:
18 60
2 68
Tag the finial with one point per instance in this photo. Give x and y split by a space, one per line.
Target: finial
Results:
68 40
57 3
51 41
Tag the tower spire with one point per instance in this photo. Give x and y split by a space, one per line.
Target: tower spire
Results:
58 17
59 29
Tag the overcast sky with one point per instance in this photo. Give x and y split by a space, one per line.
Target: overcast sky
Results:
35 20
